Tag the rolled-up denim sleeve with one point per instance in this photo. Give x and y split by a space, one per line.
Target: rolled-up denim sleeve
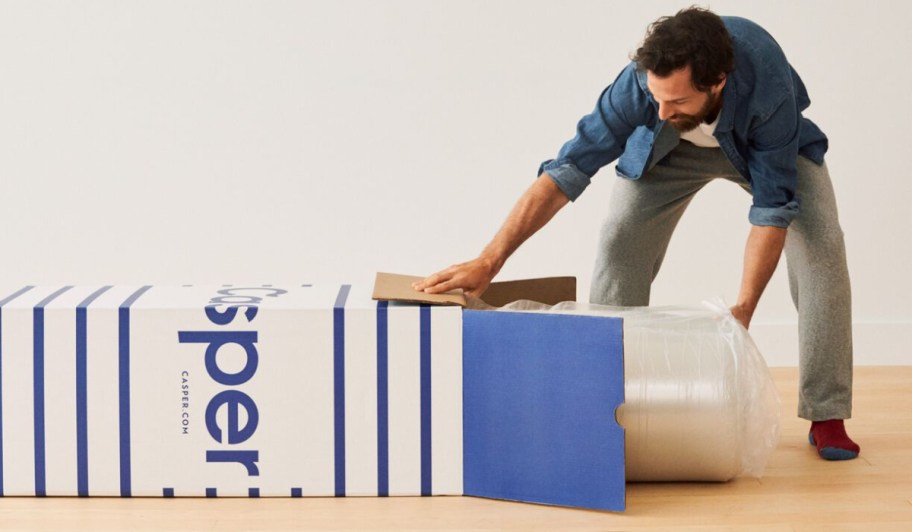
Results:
601 135
773 164
567 177
773 216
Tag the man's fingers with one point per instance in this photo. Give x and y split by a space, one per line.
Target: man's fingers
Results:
466 275
424 283
430 283
441 287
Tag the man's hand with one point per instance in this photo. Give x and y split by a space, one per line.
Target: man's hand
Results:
473 276
534 209
743 314
761 255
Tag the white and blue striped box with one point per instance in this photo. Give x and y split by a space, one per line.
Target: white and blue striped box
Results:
228 391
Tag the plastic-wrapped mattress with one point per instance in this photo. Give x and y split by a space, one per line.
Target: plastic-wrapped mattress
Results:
700 401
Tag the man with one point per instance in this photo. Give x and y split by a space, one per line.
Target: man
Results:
706 97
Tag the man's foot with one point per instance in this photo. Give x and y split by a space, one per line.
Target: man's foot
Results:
831 440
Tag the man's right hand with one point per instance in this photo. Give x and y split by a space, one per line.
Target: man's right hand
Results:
473 277
533 210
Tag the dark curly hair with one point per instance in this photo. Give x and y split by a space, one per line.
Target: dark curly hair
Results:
695 37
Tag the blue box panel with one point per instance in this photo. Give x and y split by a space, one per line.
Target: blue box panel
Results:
539 401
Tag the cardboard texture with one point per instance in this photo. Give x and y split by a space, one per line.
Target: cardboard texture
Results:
396 287
548 290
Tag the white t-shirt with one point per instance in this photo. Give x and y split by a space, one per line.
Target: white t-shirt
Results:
702 135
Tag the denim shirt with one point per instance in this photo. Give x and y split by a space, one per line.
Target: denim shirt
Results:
761 129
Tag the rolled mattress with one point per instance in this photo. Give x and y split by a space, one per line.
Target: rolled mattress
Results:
700 401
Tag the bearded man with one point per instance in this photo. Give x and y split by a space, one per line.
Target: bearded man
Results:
706 98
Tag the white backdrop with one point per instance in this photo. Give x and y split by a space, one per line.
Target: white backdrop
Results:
226 141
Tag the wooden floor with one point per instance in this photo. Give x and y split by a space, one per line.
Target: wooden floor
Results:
798 491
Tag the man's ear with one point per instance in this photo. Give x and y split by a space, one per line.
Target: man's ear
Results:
721 85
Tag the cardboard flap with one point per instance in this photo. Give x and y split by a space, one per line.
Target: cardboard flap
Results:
547 290
540 393
396 287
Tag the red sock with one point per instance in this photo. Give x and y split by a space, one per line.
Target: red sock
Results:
832 441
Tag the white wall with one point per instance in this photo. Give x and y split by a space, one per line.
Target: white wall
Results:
227 141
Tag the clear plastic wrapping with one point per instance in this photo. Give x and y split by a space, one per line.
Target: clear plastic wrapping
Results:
700 401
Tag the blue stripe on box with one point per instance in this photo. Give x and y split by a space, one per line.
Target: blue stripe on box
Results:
339 386
15 294
38 370
383 398
4 301
82 430
123 326
425 334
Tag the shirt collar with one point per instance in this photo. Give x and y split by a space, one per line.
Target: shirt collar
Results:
729 100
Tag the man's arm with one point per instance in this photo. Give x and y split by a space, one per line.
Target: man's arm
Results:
764 247
533 210
601 137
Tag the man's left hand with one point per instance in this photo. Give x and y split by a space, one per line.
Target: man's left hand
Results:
761 255
742 314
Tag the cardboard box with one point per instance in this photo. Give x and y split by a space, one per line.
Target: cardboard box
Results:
540 392
227 391
303 391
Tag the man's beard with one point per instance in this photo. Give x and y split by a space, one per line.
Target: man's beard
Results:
684 123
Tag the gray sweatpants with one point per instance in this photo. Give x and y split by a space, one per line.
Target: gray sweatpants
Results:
643 214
